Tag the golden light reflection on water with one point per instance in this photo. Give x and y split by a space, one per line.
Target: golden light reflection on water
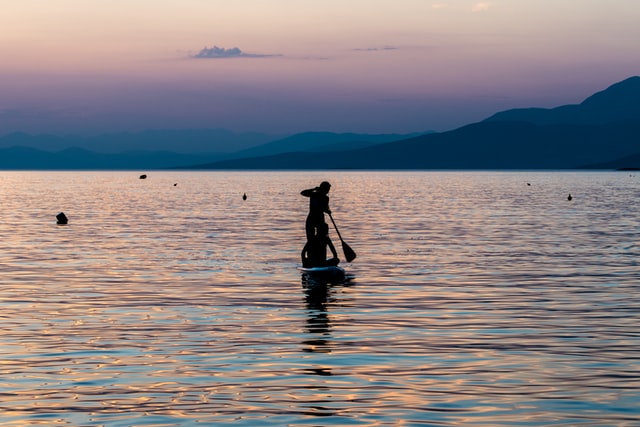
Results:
475 300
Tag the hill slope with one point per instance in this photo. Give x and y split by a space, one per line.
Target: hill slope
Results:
321 141
619 102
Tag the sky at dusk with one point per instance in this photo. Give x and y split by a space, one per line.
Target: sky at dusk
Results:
287 66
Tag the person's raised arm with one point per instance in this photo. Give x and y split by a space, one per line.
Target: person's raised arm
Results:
309 192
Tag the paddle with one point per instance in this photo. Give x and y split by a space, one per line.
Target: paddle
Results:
349 254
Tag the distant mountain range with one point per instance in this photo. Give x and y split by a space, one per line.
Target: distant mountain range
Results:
186 141
602 132
151 149
486 145
26 158
60 153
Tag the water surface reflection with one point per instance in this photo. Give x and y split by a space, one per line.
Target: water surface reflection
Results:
319 292
479 301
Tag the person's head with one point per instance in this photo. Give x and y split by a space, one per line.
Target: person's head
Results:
323 229
325 187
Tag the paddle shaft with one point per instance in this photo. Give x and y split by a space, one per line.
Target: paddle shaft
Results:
349 253
336 227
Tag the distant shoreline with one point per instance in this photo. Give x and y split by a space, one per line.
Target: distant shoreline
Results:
140 170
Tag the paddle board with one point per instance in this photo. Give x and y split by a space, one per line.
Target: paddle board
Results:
332 269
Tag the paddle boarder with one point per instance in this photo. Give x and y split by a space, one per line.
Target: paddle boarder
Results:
318 206
314 253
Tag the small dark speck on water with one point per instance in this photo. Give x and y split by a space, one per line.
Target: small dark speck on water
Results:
244 196
570 197
143 176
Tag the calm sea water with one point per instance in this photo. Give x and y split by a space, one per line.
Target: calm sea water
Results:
477 299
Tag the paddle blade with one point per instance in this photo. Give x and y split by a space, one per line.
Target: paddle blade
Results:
349 253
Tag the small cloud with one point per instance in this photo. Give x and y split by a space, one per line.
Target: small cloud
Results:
375 49
220 52
482 7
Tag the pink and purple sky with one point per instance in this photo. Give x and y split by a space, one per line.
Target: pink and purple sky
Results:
287 66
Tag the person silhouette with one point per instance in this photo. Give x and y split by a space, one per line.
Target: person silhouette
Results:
314 252
318 206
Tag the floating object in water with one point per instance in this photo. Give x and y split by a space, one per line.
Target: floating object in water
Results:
175 185
62 219
143 176
569 198
244 196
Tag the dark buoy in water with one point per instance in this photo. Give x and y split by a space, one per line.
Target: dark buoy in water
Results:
244 196
175 185
62 219
569 198
143 176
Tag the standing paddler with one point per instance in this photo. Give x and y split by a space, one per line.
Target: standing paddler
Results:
318 206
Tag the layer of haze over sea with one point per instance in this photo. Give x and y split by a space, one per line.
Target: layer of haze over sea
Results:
477 299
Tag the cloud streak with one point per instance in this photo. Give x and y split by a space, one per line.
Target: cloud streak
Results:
482 7
216 52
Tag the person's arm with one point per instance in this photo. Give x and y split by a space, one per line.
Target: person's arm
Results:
332 248
309 192
326 206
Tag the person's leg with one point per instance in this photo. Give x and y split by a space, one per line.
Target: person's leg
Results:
310 229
